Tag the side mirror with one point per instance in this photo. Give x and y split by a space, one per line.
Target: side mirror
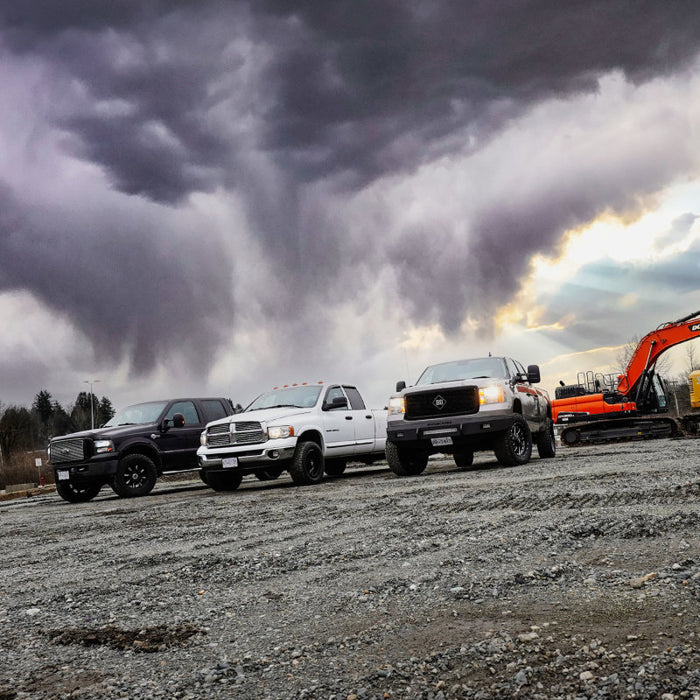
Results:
337 402
178 420
400 386
164 425
533 374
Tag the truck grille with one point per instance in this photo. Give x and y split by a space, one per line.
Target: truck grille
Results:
244 433
72 450
442 402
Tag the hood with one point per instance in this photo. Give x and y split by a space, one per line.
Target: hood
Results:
109 433
265 415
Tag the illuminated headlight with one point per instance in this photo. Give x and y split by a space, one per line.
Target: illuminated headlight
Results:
203 438
397 406
103 446
491 394
276 432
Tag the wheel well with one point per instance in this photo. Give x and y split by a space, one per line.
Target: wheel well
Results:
147 452
517 408
312 436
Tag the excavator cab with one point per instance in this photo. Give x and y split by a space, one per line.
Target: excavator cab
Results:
694 379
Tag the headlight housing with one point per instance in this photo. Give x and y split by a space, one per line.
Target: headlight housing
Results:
491 394
102 446
397 406
203 438
277 432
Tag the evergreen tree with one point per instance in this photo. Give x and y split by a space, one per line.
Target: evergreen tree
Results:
42 411
60 421
105 410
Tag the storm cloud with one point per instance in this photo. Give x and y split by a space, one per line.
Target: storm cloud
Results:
355 141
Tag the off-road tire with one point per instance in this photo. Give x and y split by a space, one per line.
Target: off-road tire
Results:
269 473
464 459
514 445
405 462
335 467
308 464
77 494
224 481
136 476
546 444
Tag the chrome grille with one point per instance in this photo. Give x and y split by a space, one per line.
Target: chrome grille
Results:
71 450
237 433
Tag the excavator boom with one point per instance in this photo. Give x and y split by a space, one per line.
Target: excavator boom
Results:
653 345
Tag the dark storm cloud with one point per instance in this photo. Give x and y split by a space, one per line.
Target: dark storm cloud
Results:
346 82
173 98
151 295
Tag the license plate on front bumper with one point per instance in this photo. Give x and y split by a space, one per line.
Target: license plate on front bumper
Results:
63 475
439 442
228 462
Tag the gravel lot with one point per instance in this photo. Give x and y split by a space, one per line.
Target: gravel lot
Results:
576 577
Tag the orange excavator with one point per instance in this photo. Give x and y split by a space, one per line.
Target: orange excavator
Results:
605 407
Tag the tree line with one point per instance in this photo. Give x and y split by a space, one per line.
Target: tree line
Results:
24 429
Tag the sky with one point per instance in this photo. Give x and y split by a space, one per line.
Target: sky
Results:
215 197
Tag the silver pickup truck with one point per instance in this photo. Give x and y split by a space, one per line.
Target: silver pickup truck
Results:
306 429
484 403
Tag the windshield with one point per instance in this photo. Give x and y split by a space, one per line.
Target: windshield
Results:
464 369
297 396
137 414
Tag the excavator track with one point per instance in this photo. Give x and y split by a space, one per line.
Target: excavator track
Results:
617 429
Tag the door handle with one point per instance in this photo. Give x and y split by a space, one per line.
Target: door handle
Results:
368 417
348 417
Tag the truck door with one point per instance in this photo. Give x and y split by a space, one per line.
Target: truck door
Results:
363 420
338 425
179 444
529 398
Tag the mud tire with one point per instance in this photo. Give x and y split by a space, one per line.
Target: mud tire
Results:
514 446
405 462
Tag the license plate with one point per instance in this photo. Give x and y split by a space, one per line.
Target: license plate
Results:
63 475
438 442
228 462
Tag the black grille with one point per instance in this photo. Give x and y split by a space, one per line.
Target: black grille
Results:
442 402
71 450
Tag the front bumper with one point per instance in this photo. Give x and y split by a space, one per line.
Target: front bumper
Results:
462 430
84 472
277 453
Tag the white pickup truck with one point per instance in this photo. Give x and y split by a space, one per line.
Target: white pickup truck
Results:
307 429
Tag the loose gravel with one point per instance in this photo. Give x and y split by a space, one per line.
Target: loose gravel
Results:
575 577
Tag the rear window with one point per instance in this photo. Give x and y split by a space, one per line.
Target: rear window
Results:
356 401
215 410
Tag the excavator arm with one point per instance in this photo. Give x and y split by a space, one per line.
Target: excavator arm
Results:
652 346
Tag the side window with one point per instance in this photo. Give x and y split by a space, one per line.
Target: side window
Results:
187 408
214 410
334 392
356 402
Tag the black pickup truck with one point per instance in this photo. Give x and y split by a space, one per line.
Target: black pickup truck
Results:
140 443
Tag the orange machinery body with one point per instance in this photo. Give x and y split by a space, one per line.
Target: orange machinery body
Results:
593 405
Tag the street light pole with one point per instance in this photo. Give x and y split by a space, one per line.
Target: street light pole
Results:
92 406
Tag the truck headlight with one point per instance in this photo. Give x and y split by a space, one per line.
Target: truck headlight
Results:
397 406
491 394
102 446
276 432
203 438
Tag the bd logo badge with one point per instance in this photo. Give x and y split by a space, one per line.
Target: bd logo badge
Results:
439 402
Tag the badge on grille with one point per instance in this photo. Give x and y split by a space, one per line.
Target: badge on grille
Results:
439 402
